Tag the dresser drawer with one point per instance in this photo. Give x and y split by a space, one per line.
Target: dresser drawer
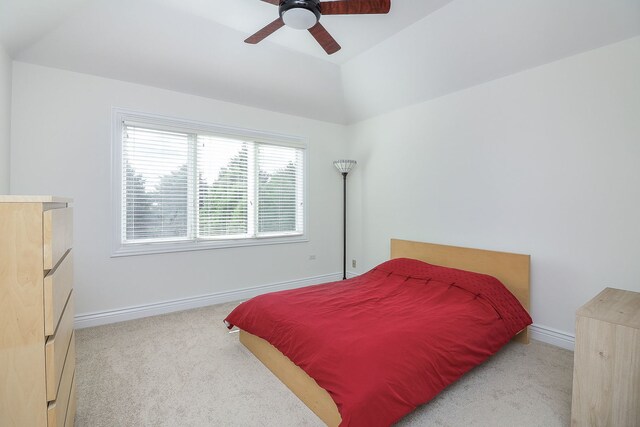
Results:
56 350
57 410
57 287
57 229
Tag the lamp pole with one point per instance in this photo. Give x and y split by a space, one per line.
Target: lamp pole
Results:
344 225
344 167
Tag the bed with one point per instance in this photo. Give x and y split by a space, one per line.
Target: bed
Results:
347 381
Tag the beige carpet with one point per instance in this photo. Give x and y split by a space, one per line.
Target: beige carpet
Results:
184 369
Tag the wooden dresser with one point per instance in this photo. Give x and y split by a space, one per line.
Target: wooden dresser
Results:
37 343
606 374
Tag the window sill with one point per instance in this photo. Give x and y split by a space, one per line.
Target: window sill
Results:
201 245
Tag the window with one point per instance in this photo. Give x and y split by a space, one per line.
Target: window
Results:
186 186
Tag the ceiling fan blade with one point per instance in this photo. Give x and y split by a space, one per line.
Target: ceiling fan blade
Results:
355 7
328 43
265 32
276 2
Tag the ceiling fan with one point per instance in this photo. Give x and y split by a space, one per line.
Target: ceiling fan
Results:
305 15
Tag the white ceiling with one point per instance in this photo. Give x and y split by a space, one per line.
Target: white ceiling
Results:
469 42
23 22
421 49
355 33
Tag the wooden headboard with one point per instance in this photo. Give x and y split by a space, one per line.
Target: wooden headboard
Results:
513 270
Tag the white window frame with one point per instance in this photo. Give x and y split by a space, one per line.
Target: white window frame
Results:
120 115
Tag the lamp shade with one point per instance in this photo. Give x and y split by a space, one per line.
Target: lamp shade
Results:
344 166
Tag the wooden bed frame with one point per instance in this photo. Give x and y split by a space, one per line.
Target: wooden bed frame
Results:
510 269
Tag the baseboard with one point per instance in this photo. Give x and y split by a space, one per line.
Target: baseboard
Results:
87 320
553 336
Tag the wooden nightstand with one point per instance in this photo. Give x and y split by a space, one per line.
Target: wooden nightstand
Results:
606 373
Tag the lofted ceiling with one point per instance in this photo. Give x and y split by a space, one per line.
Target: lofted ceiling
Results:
23 22
421 49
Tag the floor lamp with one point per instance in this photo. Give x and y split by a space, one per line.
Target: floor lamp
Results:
344 167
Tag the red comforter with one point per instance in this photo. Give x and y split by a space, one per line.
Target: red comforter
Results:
389 340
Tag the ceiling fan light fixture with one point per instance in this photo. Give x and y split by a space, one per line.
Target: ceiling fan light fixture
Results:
300 19
305 15
300 14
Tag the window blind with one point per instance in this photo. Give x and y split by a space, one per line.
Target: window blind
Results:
182 185
279 189
223 196
155 184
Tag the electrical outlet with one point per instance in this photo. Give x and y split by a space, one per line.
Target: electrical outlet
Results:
312 257
353 263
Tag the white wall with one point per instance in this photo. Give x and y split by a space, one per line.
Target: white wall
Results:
544 162
61 145
5 119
